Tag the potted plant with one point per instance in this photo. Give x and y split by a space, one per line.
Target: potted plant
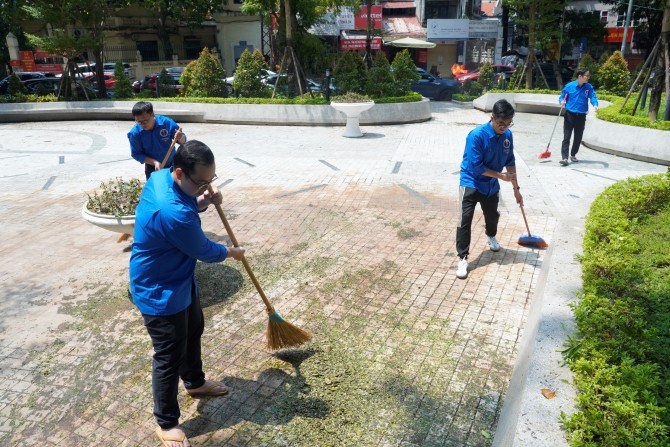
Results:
352 105
112 207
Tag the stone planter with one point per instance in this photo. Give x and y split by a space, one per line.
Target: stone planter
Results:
123 224
353 112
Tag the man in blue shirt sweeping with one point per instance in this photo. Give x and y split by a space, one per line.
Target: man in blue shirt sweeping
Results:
575 96
151 137
168 242
489 149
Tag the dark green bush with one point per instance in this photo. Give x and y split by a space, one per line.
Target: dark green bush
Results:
164 85
205 76
247 82
404 71
15 86
620 358
614 76
350 73
485 78
590 64
380 81
122 87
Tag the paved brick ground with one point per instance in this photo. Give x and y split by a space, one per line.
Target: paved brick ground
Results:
353 239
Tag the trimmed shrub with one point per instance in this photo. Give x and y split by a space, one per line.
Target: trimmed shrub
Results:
404 72
485 78
164 85
380 78
350 73
614 75
247 82
122 86
204 77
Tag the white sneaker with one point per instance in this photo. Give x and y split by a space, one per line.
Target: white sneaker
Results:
462 271
493 243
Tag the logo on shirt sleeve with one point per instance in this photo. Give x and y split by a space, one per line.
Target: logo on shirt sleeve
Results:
506 146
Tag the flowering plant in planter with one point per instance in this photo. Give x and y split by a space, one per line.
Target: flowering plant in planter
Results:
117 197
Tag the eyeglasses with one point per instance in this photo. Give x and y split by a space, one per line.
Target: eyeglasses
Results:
503 124
143 122
201 185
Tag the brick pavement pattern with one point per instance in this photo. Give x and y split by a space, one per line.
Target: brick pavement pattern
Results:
352 239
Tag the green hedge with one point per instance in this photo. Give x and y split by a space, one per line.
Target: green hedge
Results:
621 357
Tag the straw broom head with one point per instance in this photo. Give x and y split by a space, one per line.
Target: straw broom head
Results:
282 334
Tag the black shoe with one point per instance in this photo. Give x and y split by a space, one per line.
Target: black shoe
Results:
573 159
563 162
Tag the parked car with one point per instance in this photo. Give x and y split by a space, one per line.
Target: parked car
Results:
23 76
441 89
505 70
109 80
44 86
149 82
86 69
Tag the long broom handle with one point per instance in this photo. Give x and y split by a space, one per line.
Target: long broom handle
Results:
169 151
247 267
554 129
523 213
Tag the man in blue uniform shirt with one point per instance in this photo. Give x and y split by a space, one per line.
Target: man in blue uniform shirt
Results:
489 149
575 96
151 137
168 242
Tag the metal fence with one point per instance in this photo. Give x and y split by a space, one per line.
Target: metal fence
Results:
151 51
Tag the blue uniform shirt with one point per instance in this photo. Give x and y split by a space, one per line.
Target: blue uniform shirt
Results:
168 241
484 149
578 97
153 143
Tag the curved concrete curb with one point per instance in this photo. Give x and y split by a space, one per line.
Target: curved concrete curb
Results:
632 142
270 114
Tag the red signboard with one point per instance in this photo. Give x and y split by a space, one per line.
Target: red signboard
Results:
361 19
357 43
615 35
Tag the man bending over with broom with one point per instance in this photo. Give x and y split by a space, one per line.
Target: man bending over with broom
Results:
488 149
168 242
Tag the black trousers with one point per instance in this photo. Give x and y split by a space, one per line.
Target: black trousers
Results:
572 122
177 354
468 198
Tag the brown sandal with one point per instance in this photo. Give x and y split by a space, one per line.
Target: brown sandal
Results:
209 388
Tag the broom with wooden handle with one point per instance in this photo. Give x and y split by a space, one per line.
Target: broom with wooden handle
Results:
280 333
125 236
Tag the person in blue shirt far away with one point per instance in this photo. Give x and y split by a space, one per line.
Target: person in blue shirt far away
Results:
169 240
575 96
151 136
489 148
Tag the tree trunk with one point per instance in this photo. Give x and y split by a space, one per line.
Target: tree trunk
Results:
530 59
662 74
368 35
164 35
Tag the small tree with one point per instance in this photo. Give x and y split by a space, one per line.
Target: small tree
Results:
350 73
380 77
204 77
15 86
247 82
590 64
404 72
122 86
485 78
614 75
164 85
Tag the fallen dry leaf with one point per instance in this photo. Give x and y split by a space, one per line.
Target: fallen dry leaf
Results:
548 393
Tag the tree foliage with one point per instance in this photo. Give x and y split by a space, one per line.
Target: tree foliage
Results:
205 76
614 75
380 77
404 71
247 82
350 73
122 86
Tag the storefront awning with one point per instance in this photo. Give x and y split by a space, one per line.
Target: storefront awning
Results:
397 5
409 42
